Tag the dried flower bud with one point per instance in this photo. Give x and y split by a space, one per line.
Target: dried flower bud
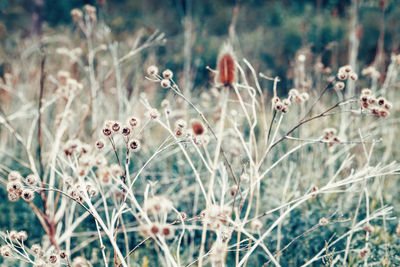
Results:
5 251
116 126
366 91
126 131
383 113
256 225
100 144
339 86
275 100
62 254
53 258
165 83
31 180
278 106
388 105
36 249
342 75
134 145
133 121
167 74
107 131
381 101
27 195
152 70
154 114
353 76
14 186
323 221
197 127
14 176
368 227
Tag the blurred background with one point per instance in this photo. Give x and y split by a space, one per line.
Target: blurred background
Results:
268 33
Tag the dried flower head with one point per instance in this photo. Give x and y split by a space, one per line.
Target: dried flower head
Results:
5 251
100 144
116 126
366 91
197 127
133 121
134 145
76 14
152 70
27 195
14 176
339 86
126 131
353 76
154 114
107 131
323 221
167 74
226 66
165 83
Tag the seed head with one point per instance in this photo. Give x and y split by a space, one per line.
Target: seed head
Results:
353 76
226 67
36 249
5 251
165 83
381 101
133 121
154 114
323 221
27 195
31 180
116 126
100 144
366 91
197 127
256 225
339 86
152 70
126 131
14 176
107 131
167 74
134 145
342 75
278 106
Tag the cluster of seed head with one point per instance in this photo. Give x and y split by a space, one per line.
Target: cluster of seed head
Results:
157 205
16 188
197 131
215 216
371 71
76 147
330 137
112 128
77 189
294 97
379 107
67 85
106 173
153 229
50 258
165 79
345 73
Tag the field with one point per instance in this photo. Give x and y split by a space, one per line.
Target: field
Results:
199 133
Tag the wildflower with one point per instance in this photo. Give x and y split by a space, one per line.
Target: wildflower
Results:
167 74
27 195
99 144
134 145
227 71
152 70
339 86
165 83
